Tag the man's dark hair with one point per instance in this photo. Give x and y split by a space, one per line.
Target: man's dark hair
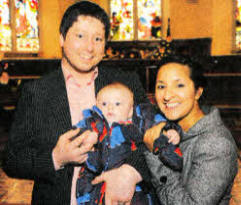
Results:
85 8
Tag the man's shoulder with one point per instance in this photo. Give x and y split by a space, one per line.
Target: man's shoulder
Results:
116 71
110 74
46 80
55 74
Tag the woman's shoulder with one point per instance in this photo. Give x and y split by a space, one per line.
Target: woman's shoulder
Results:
215 136
218 137
216 142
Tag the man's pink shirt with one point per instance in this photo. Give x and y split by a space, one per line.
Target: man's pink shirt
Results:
80 97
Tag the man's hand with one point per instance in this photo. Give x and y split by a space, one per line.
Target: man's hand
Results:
152 134
73 151
120 184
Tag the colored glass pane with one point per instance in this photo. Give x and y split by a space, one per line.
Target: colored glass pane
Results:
26 25
122 20
5 30
238 24
149 19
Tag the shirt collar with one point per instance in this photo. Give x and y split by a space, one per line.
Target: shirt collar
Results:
69 78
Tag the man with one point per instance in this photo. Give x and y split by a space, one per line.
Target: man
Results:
40 145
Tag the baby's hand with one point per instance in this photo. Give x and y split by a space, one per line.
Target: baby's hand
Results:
173 136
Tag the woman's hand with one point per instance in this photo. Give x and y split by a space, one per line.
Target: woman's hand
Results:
152 134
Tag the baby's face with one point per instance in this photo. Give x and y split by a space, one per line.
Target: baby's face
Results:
116 104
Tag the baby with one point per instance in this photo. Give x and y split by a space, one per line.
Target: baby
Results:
117 138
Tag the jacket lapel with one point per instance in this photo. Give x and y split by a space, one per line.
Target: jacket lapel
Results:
59 101
59 106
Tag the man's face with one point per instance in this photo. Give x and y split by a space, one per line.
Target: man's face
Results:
84 44
115 103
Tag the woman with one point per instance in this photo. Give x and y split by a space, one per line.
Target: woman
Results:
209 151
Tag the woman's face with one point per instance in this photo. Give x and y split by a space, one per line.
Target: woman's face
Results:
175 93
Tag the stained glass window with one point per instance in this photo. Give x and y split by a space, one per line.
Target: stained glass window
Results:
23 24
149 19
5 29
122 20
27 25
135 19
238 24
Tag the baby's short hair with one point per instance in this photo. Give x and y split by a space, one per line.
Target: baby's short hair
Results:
117 85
